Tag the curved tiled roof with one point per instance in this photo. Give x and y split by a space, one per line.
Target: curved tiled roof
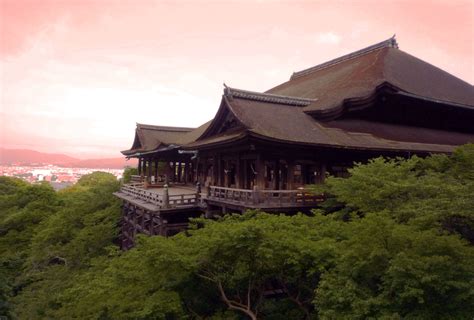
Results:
292 112
285 123
358 75
150 137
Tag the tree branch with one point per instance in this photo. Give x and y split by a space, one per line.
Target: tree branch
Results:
231 304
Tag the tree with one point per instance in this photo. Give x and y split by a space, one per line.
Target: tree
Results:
22 209
53 236
127 174
249 258
391 271
435 192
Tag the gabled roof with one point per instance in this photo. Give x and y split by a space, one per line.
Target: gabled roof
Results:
358 75
286 123
307 109
149 137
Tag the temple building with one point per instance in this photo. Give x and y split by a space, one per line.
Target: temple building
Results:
262 149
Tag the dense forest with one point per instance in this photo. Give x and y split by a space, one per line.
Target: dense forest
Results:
392 241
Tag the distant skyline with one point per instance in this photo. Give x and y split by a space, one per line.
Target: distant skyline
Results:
77 75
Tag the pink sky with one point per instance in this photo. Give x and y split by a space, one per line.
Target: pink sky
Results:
77 75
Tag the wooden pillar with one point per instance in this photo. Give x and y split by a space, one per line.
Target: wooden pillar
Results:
148 170
151 226
245 171
179 172
198 171
290 175
215 175
276 175
173 173
184 170
162 227
134 222
226 173
188 172
145 168
260 168
322 172
166 198
139 166
156 170
220 171
143 172
238 173
143 221
284 176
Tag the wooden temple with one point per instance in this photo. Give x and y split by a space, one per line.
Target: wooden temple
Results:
262 149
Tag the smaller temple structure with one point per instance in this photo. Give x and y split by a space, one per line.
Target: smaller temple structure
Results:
262 149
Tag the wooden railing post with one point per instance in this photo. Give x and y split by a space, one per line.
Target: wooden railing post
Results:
166 197
198 188
255 195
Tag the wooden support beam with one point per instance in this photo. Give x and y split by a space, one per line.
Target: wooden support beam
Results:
134 222
151 226
162 227
226 173
179 172
238 173
187 171
290 175
245 174
143 220
174 172
220 171
260 168
215 175
199 170
276 175
139 166
322 174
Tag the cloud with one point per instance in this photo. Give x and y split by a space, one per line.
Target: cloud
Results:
328 38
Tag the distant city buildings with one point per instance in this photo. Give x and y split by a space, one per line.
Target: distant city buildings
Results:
58 177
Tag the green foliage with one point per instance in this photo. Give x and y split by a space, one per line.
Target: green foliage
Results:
392 242
239 257
9 186
387 270
128 173
435 192
22 208
47 237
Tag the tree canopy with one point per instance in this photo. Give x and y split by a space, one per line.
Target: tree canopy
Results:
394 240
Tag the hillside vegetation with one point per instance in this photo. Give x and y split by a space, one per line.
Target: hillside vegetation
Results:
393 241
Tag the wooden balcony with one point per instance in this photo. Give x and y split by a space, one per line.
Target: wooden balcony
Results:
166 211
263 199
187 197
159 198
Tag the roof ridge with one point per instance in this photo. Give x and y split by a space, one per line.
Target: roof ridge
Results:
389 43
164 128
266 97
